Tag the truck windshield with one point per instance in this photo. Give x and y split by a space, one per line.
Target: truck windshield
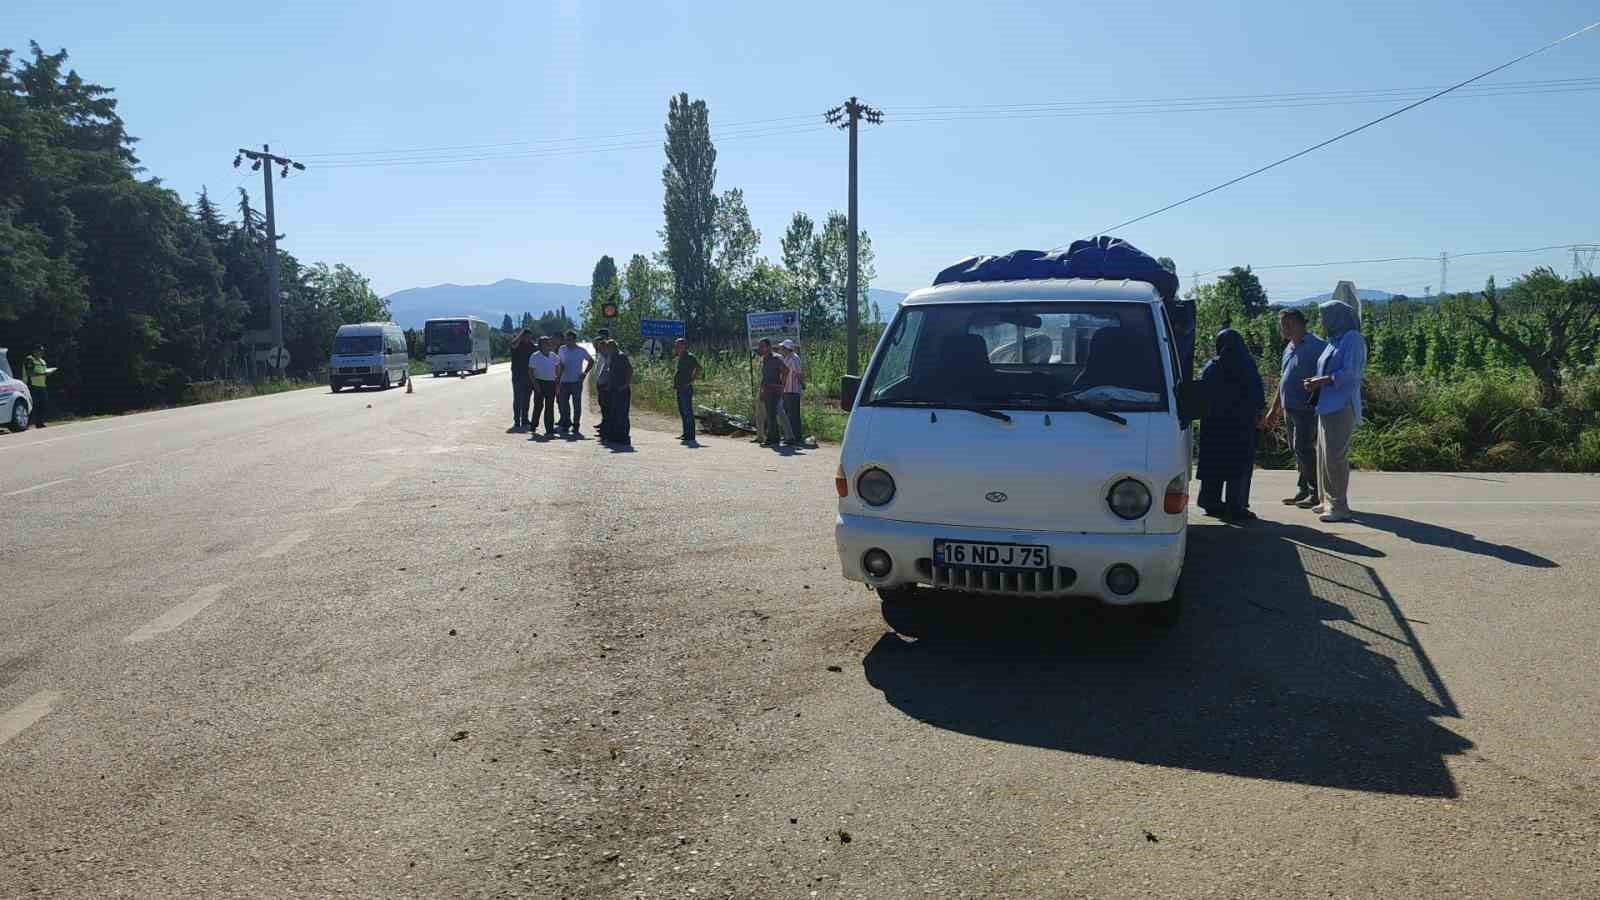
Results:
448 337
357 345
1036 355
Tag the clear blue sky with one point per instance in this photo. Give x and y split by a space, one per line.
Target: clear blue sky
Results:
199 79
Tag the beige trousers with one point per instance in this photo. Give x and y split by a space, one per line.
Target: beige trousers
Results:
1333 457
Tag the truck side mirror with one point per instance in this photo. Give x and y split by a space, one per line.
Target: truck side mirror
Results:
848 386
1193 401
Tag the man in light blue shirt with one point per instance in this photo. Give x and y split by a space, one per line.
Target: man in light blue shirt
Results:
1297 405
1338 386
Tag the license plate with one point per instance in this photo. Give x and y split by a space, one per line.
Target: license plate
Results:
994 556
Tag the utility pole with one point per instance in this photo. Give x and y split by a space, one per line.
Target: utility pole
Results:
1444 273
848 116
274 302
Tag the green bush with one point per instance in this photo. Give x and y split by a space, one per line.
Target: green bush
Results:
1585 457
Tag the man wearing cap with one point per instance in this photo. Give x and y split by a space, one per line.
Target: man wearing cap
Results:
36 372
794 383
572 368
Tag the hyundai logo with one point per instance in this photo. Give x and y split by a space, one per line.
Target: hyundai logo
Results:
995 497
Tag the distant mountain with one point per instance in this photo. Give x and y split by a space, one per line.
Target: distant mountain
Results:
1363 293
886 300
490 302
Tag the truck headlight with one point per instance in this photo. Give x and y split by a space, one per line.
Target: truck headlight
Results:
1129 499
875 487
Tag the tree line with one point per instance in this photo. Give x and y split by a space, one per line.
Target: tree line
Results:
710 271
135 294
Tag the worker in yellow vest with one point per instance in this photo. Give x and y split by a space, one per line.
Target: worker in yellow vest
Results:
37 373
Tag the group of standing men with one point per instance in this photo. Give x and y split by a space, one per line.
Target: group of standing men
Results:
782 382
553 378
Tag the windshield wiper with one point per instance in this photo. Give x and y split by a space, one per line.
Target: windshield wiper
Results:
982 411
933 404
1106 414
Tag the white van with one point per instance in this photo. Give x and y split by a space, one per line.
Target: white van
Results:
1023 438
372 353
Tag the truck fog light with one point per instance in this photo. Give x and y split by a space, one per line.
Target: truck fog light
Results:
876 562
1122 579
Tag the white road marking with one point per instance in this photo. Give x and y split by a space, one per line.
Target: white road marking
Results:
177 615
285 545
112 468
350 507
37 487
30 711
68 437
1357 504
183 451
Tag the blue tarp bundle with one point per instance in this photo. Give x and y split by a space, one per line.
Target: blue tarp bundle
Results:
1099 257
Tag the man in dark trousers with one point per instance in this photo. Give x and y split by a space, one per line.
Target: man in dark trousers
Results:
683 379
602 378
521 380
1297 404
544 366
771 392
36 372
621 393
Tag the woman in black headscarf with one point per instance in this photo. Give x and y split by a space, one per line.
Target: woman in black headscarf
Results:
1228 431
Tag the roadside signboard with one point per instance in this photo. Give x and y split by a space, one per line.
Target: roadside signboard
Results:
257 337
277 357
660 328
774 326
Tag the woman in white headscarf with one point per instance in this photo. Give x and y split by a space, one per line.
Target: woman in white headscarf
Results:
1338 388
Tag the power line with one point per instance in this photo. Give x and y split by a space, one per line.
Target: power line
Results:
1099 109
656 132
913 110
553 151
1359 128
1391 259
629 140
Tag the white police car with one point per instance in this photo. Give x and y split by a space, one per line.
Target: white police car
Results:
16 401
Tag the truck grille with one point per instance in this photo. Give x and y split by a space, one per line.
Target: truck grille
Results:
1053 580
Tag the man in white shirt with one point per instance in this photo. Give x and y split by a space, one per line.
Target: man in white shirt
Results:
544 366
794 382
573 367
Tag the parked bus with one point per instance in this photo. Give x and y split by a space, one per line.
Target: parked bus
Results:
459 344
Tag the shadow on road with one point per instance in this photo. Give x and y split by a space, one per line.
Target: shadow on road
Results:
1291 664
1439 536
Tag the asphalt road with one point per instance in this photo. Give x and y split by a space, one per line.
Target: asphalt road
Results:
369 644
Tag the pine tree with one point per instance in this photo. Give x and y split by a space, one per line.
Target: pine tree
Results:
210 218
506 325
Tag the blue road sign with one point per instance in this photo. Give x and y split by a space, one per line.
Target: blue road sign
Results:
660 328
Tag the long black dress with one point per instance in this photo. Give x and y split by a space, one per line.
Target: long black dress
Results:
1228 431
